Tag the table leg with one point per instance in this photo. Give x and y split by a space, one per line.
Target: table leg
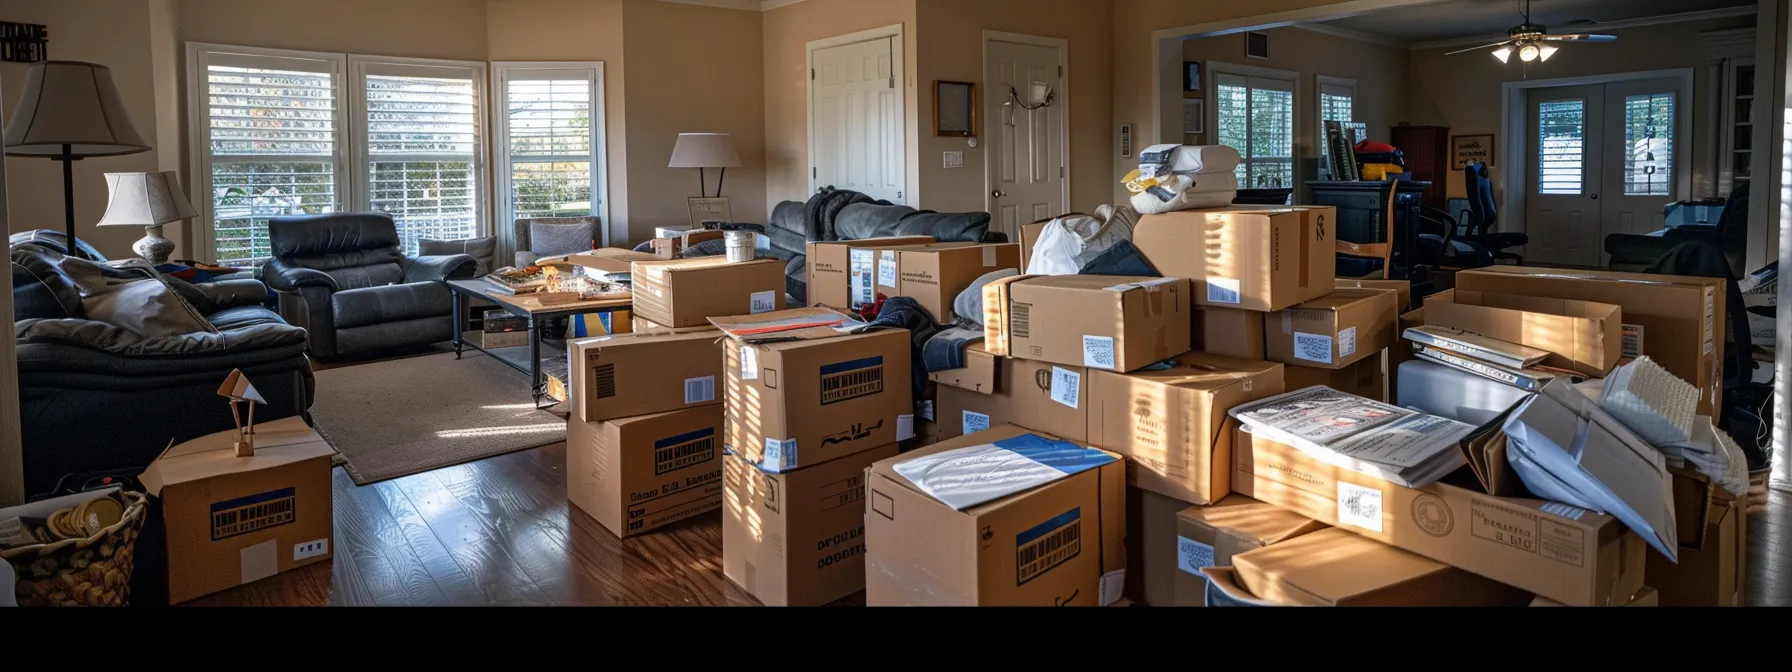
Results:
535 383
459 326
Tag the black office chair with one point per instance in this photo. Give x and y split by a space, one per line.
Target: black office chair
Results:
1483 215
1441 244
1630 252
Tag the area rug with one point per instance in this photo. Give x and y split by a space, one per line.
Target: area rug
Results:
404 416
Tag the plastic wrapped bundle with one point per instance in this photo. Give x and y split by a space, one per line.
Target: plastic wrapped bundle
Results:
1655 404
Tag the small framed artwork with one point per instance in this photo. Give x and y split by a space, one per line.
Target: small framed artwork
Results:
954 109
1191 76
1467 149
1194 116
709 213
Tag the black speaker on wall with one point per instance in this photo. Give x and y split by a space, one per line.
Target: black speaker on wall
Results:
1256 45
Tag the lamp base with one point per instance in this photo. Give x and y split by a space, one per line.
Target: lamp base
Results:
153 246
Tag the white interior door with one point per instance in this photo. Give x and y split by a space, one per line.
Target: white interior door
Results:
856 116
1025 147
1563 128
1644 124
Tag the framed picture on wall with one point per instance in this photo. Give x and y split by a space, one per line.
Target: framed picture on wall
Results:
1194 116
1191 76
954 109
1467 149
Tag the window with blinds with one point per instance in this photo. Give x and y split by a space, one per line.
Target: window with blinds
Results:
1255 115
550 140
271 140
420 147
1649 145
1562 147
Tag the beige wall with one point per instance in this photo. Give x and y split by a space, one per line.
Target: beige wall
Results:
452 29
786 33
950 37
1464 91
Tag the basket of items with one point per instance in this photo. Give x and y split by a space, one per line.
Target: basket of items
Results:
73 551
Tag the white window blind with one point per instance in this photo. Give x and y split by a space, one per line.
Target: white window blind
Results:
419 147
269 133
1649 145
1255 115
1562 146
551 140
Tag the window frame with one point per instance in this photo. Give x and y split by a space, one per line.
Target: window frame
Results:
1586 155
362 160
501 74
1297 117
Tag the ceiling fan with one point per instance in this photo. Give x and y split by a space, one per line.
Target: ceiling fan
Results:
1532 41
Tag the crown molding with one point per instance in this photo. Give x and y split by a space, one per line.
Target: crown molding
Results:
742 5
1745 10
769 5
1349 34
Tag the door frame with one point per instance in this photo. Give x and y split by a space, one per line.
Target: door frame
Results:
897 72
1061 96
1514 109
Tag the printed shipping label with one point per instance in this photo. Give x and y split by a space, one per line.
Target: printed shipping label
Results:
1359 506
1313 347
749 363
1066 386
779 455
974 422
310 549
1222 290
699 390
763 302
1113 584
863 274
1192 555
886 269
1633 340
905 427
1347 342
1098 351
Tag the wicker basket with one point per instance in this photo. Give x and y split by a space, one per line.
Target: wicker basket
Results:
91 572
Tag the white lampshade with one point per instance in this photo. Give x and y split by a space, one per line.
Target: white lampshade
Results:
145 199
704 150
73 104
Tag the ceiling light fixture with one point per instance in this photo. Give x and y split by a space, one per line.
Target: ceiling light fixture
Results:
1532 41
1544 51
1504 54
1527 53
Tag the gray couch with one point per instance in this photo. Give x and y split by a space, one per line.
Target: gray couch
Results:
344 279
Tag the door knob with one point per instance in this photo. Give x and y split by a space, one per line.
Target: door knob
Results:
996 194
1595 197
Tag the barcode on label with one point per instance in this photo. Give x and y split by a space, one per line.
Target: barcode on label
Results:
1633 340
763 302
1222 290
1347 342
1098 351
1313 347
1359 506
1047 545
699 390
1066 386
886 269
975 422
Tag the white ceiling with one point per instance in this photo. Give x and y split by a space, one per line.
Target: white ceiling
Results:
1455 19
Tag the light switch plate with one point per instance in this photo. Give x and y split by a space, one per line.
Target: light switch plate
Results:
954 159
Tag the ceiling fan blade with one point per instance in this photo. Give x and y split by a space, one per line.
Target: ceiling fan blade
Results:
1484 46
1580 37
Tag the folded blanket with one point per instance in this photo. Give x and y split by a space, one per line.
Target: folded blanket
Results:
1203 159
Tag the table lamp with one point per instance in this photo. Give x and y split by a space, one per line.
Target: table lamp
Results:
148 200
705 150
70 111
241 393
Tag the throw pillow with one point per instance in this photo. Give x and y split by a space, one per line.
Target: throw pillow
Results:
482 250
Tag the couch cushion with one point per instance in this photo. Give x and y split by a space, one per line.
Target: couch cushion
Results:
243 316
377 305
372 275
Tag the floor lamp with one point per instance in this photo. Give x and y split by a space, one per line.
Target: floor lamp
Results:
70 111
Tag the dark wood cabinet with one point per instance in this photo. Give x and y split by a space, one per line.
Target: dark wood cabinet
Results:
1362 214
1427 151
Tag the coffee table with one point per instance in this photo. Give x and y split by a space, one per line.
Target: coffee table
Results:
529 308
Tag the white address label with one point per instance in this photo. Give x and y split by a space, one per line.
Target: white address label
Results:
749 363
699 390
1192 555
763 302
886 269
1098 351
1359 506
975 422
1313 347
1066 386
779 455
1222 290
1347 342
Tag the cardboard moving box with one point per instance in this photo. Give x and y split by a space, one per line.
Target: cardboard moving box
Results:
1676 320
1151 547
1058 544
1713 551
1570 555
977 375
687 292
841 273
934 276
1208 536
797 539
1367 378
1334 568
1402 289
1580 335
231 520
795 404
1047 397
1334 331
888 278
1229 331
647 372
1171 424
1262 259
649 471
1116 323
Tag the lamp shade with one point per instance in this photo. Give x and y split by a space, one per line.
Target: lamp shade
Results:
705 150
145 199
74 104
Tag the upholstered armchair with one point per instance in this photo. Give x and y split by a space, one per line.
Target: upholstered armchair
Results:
344 278
552 236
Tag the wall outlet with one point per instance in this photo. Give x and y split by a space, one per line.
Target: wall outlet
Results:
310 549
954 159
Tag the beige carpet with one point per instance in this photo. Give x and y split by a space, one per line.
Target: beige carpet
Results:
405 416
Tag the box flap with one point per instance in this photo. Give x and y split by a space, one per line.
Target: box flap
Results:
795 324
1250 519
1328 567
1203 372
996 295
277 443
1339 298
967 476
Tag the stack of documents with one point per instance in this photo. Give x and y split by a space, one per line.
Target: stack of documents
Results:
1509 363
1392 443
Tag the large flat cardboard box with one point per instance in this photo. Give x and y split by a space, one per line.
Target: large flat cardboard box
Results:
797 539
231 520
1584 336
796 404
978 374
1367 378
687 292
1208 536
1151 547
1058 544
1101 322
887 279
1335 330
1334 568
638 474
1229 331
607 259
838 277
935 276
646 372
1171 423
1046 397
1713 548
1567 554
1262 259
1676 320
1402 289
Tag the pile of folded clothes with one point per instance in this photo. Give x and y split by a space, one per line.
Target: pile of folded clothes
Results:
1183 177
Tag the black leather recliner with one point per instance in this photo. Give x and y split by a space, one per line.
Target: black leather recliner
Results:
343 278
96 397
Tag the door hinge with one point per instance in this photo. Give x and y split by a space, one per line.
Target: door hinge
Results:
811 74
815 173
1060 171
1060 72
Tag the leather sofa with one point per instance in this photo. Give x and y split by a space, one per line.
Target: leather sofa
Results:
96 397
344 278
